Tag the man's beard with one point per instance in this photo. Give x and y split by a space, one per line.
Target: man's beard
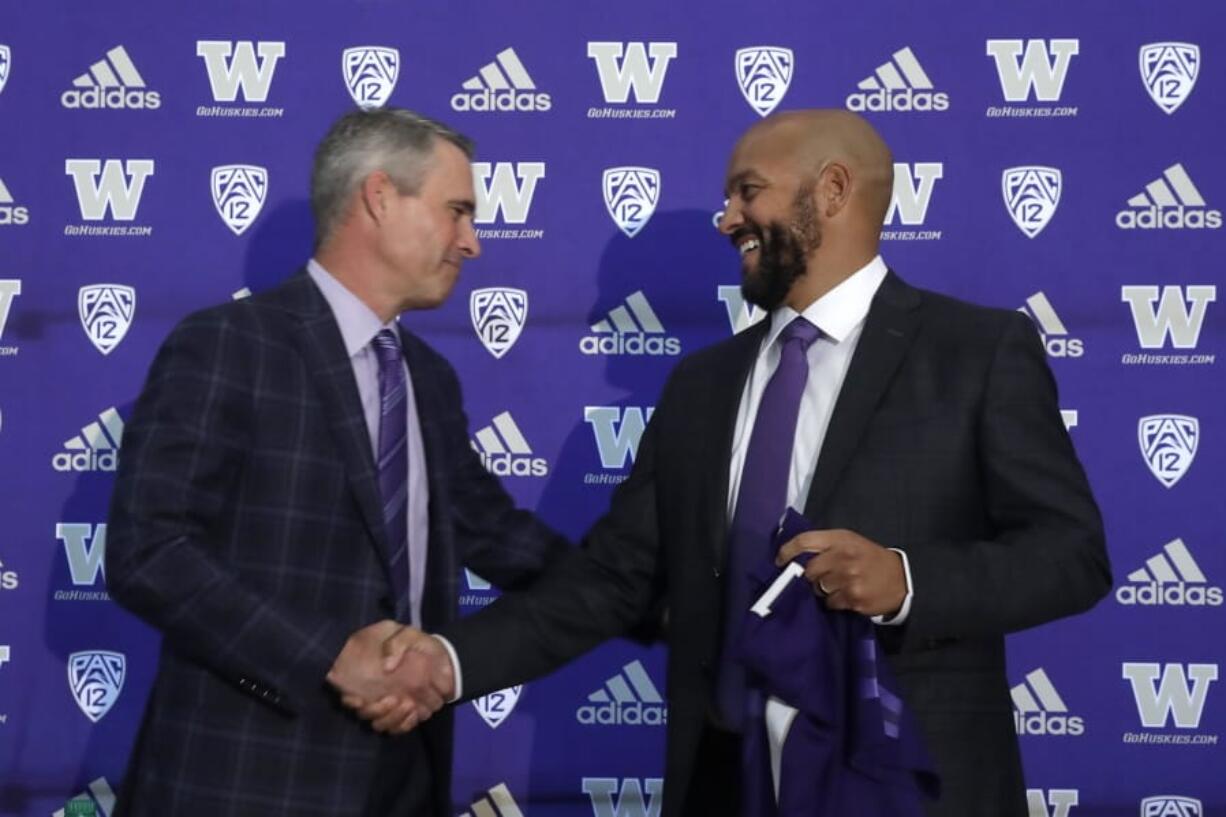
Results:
783 252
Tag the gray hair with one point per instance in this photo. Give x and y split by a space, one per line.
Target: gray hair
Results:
395 140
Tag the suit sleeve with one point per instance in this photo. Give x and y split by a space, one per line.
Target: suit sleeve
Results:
596 592
183 455
1047 557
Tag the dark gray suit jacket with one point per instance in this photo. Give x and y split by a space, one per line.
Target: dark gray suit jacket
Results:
946 442
246 527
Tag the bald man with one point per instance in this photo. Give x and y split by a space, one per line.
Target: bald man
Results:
920 436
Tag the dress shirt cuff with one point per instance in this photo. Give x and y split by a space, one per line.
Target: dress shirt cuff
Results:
455 662
898 618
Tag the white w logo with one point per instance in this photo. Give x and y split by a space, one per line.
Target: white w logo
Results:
1178 315
498 190
633 73
1171 698
616 442
10 288
630 802
118 191
1060 800
228 74
741 314
1042 69
910 200
86 559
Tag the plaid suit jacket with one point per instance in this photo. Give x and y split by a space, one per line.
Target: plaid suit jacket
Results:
246 526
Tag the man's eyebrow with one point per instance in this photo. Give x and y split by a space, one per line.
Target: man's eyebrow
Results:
737 178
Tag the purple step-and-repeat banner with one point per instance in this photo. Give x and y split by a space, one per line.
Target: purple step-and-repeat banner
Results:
1059 158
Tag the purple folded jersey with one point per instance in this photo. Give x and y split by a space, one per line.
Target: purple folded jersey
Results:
853 748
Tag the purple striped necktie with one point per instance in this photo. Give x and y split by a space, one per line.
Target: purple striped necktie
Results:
761 502
393 462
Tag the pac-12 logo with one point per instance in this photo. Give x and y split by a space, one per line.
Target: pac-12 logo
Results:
239 192
96 678
764 73
1168 444
1169 71
106 312
631 195
1031 193
498 316
497 706
370 73
1171 805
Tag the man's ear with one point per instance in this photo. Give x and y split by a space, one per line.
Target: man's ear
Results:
833 190
374 194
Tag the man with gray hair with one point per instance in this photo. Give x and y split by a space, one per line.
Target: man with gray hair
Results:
296 486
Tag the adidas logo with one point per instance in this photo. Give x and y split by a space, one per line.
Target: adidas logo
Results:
502 85
1055 335
1169 202
1039 709
497 802
10 213
96 448
9 580
619 334
628 699
1173 578
111 82
504 451
98 800
898 85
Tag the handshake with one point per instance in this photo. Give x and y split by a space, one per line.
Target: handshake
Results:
393 676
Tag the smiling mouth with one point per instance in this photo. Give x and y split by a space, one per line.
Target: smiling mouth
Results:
747 246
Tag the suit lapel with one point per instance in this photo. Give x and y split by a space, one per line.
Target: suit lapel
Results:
331 371
888 332
727 384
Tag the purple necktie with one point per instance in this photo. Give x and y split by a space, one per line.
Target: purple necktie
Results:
393 461
761 502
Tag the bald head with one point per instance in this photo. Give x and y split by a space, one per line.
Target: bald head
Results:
811 139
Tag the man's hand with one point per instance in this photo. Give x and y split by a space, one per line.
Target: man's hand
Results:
418 676
851 572
357 671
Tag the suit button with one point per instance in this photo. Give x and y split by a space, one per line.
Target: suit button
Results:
715 572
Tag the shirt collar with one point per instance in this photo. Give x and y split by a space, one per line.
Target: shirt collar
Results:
839 311
357 321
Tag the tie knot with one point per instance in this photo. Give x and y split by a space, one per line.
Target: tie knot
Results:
386 348
799 330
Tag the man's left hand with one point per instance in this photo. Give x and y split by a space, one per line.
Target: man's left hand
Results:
850 571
